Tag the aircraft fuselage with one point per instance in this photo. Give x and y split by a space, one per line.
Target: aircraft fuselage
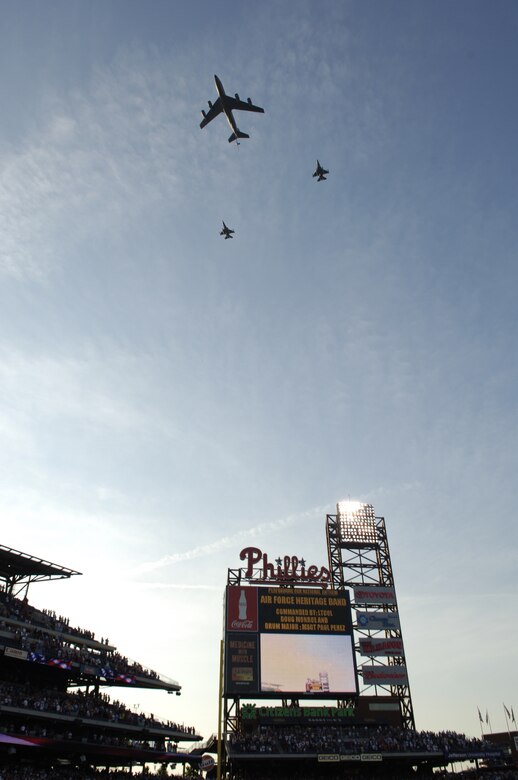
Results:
225 106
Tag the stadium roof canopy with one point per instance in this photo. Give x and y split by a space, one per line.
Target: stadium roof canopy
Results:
20 568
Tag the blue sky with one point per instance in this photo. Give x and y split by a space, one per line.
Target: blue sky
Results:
168 398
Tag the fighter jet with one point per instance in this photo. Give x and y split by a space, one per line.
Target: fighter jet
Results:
227 104
320 172
227 232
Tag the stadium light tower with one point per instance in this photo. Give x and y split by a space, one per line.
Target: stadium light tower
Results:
359 559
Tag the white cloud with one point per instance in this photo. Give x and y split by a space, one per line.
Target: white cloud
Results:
98 158
101 389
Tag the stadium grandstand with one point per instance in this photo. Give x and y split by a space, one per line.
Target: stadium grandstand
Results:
55 721
317 751
60 717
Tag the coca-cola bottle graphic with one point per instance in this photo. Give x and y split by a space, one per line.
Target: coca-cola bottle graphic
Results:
242 605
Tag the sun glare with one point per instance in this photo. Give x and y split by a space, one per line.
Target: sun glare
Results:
348 507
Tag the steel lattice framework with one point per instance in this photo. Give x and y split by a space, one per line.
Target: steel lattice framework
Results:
230 718
19 569
359 555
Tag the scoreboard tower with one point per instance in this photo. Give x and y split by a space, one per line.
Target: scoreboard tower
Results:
359 560
298 634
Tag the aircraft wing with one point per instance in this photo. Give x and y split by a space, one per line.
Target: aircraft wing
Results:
242 105
212 113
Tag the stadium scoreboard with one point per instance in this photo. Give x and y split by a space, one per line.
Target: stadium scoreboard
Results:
282 641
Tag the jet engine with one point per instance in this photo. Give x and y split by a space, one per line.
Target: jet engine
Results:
249 101
236 96
204 112
210 103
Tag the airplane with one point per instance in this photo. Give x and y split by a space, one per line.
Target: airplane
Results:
320 172
227 232
227 104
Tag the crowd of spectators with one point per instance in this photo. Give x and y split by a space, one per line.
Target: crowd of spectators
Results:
20 609
352 739
34 637
380 773
330 773
73 733
91 718
483 774
67 773
80 705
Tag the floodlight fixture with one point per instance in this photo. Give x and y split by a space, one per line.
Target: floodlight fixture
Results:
356 523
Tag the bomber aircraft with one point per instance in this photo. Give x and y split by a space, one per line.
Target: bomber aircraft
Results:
320 172
227 232
227 104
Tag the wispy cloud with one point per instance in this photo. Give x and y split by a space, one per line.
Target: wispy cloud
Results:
87 389
226 542
99 157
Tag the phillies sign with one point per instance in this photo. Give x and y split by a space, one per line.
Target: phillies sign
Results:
286 569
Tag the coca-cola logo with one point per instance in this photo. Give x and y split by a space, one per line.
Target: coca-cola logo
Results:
242 609
241 624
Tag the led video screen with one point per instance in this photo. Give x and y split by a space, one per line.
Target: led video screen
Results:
282 642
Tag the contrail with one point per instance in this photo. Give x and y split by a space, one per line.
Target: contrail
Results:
229 541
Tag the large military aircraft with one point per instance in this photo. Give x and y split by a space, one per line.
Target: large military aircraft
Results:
227 104
320 172
227 232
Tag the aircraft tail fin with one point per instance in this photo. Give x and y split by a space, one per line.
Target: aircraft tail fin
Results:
237 135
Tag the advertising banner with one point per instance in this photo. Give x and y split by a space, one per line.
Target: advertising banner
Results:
293 714
242 663
374 621
374 594
242 609
374 646
14 652
385 675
